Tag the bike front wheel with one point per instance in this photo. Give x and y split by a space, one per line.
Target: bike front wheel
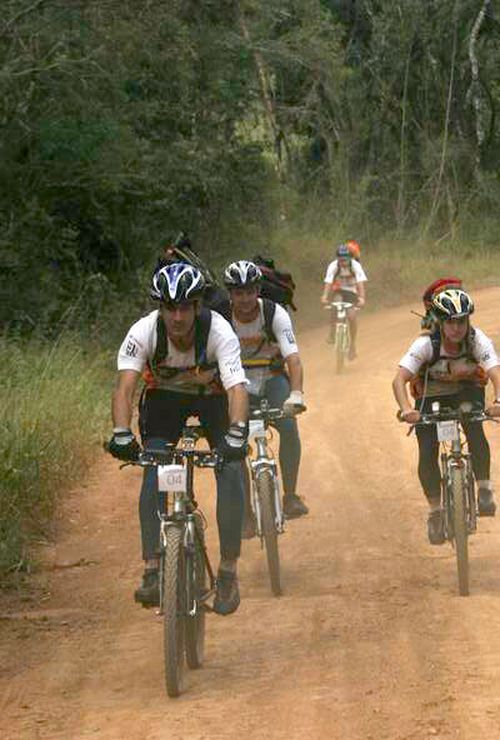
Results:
341 347
174 597
266 493
196 578
460 528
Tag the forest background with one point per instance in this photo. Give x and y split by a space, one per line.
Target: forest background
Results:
280 126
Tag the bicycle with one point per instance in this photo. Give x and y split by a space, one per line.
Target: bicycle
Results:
342 335
183 559
265 489
458 496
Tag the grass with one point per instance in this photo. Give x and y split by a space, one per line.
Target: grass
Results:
54 409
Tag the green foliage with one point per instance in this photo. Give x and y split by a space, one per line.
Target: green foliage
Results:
54 402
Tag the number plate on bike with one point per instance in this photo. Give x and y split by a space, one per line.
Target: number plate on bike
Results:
447 431
172 478
256 428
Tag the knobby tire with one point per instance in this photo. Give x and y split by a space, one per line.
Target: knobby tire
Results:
196 573
174 596
460 529
265 489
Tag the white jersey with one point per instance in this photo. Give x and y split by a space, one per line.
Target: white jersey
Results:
450 370
347 275
257 345
138 349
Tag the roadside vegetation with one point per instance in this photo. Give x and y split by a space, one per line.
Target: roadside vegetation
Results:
279 127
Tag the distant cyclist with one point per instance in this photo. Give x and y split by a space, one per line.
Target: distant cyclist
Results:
451 365
265 331
345 280
192 364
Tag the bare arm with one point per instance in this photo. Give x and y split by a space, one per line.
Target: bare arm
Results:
402 377
361 292
238 403
123 398
295 371
494 376
326 293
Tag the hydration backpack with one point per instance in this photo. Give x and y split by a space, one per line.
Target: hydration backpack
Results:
277 286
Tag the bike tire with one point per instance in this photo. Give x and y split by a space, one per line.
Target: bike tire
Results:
340 350
196 573
266 492
460 529
174 595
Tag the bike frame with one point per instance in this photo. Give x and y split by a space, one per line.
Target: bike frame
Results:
454 456
264 462
177 508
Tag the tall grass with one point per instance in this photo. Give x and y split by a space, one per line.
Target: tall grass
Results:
54 407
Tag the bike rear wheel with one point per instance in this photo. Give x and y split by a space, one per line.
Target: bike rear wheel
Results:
174 597
460 529
196 577
266 493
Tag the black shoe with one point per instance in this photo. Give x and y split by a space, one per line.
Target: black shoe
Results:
486 502
249 529
227 595
148 593
435 527
293 506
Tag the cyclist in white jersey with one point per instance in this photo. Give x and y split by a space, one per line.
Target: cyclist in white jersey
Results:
190 359
266 335
451 365
345 280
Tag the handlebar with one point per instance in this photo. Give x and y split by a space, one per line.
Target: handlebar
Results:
339 304
270 415
170 454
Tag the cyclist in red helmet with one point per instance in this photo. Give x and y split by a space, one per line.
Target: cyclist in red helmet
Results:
453 363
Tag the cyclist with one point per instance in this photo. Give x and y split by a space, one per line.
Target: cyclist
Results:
265 332
451 366
184 348
429 322
345 280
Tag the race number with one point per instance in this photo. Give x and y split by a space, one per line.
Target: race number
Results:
447 431
256 429
172 478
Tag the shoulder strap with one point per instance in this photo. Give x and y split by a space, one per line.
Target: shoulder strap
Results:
269 310
435 338
202 330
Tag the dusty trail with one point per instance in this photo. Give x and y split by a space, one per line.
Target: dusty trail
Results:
369 642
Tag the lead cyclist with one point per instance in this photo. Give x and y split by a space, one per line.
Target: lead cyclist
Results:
451 365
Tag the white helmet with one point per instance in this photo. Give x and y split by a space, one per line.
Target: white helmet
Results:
242 273
177 283
452 304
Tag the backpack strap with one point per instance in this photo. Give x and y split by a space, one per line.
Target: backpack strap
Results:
337 271
202 326
269 311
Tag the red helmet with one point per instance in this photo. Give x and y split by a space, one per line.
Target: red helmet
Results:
436 287
354 249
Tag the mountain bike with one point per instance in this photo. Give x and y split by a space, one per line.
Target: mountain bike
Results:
458 496
341 338
186 577
265 491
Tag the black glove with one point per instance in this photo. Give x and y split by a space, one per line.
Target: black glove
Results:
124 445
233 445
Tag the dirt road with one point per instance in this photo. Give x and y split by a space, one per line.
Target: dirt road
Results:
370 640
